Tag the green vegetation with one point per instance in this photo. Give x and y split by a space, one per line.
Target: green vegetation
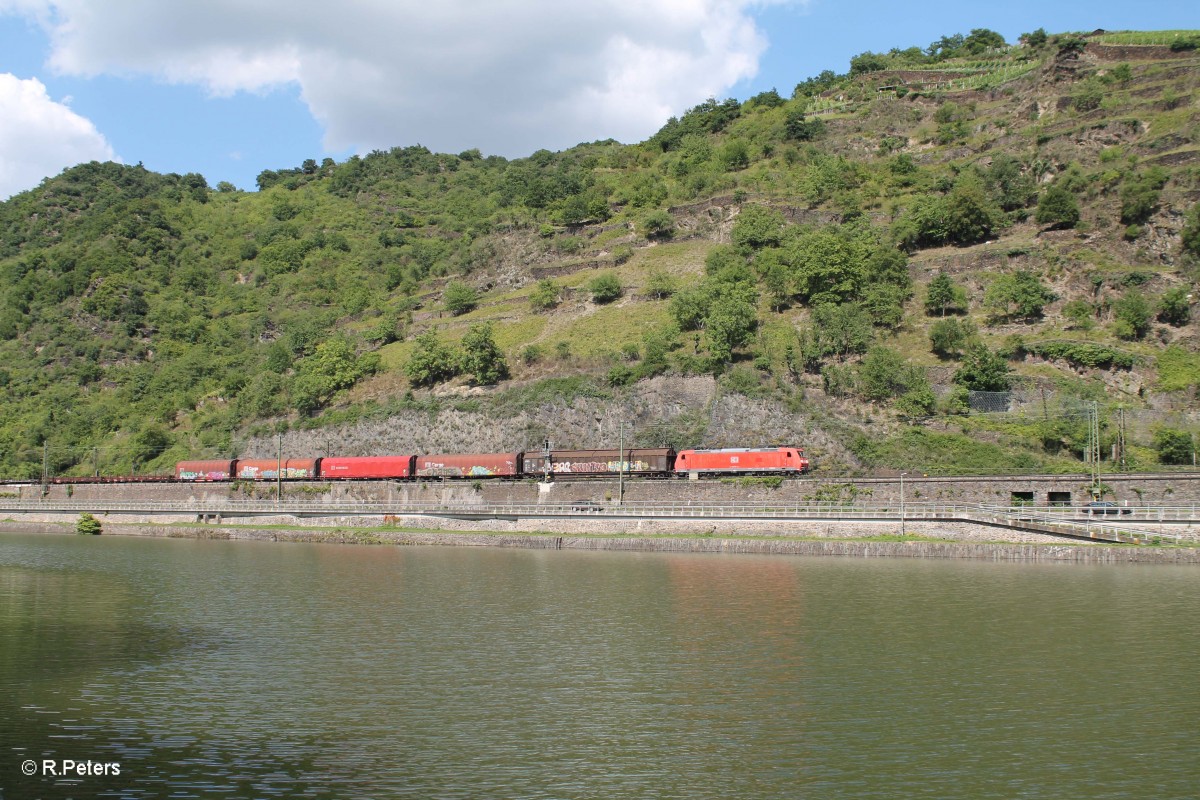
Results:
798 247
88 525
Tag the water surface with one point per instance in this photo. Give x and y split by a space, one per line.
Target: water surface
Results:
240 669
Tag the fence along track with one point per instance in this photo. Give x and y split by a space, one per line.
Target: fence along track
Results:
1134 527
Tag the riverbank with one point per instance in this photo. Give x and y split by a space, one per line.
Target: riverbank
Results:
863 540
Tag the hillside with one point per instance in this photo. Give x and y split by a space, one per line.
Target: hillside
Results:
937 261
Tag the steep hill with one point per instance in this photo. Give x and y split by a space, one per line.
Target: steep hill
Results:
937 261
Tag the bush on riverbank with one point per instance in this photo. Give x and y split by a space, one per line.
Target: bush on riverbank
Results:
88 525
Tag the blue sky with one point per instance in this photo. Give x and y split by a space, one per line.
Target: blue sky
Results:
228 88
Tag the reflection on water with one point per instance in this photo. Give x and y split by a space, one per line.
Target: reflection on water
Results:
235 669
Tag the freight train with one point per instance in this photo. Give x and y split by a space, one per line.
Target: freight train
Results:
648 462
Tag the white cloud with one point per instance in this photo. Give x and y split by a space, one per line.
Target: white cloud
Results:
39 137
508 76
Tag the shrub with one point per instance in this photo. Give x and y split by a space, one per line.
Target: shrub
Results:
605 287
481 357
657 225
1020 294
1139 196
1174 307
1083 354
459 298
531 354
1173 446
983 371
948 337
88 525
660 285
1058 208
544 296
1133 315
1190 237
431 361
802 129
944 295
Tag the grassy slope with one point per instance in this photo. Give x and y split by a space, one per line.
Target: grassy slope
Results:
231 281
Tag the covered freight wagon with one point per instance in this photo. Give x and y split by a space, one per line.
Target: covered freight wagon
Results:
221 470
637 461
365 467
470 465
268 469
766 460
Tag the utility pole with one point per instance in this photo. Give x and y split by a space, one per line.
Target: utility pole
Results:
621 464
278 469
45 464
1094 447
902 531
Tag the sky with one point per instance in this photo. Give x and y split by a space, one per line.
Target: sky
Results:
229 88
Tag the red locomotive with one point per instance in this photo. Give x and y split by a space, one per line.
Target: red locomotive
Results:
750 461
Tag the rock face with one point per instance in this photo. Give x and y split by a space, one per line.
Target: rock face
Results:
689 411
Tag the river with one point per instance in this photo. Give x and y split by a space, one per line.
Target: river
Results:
243 669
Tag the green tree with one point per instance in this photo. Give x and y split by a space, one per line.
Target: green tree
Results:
660 284
983 371
980 40
1174 307
885 375
735 155
802 128
149 444
1080 312
1139 195
88 525
689 307
482 359
948 337
333 366
1173 446
729 323
757 227
605 287
544 295
1019 295
1036 38
657 224
944 295
1057 208
1190 236
1132 312
841 329
828 266
885 303
459 298
431 362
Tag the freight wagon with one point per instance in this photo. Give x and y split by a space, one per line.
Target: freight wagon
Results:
270 469
637 461
222 470
750 461
366 467
473 465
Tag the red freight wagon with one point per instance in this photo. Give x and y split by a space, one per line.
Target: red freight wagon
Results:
473 465
205 470
267 469
638 461
362 467
778 460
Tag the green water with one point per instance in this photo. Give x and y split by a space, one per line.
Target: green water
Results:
235 669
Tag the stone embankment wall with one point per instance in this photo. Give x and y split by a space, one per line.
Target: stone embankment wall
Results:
992 551
1166 489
